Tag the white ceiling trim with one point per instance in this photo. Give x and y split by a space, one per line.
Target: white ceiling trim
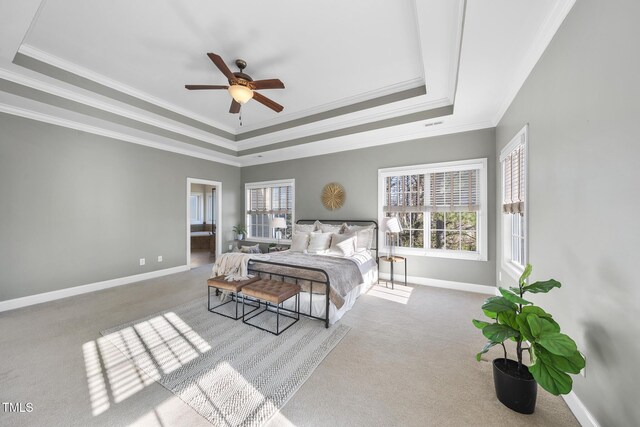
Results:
94 102
73 68
541 41
344 102
353 119
46 118
357 141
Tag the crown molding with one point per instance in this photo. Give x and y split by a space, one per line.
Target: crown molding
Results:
541 41
81 71
357 141
341 103
340 122
165 124
71 124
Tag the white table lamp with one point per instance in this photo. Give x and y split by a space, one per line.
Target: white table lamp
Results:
278 224
392 226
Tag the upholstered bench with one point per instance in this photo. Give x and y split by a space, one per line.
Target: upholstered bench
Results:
235 288
273 293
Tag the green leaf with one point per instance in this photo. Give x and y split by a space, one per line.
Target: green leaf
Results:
486 348
535 325
523 327
535 310
498 305
572 364
542 287
498 333
508 318
557 343
550 378
513 297
525 274
514 289
479 323
490 314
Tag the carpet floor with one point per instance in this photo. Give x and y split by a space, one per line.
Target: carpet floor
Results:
231 373
408 360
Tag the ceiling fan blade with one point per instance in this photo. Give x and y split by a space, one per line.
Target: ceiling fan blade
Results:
235 107
219 62
198 87
267 84
266 101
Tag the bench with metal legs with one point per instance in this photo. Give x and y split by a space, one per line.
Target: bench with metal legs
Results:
235 289
273 293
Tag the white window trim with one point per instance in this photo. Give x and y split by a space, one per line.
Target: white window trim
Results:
209 208
483 216
512 269
251 185
198 219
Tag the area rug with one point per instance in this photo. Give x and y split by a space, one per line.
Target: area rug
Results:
231 373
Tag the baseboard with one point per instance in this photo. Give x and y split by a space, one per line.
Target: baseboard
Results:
580 411
83 289
447 284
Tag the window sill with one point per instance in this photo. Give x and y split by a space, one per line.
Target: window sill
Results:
469 256
513 271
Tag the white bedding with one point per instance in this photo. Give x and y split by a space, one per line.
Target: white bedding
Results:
318 301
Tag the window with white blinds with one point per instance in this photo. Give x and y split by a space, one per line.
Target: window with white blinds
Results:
513 158
441 207
513 167
265 201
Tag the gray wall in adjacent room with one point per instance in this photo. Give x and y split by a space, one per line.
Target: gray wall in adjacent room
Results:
357 171
581 103
77 208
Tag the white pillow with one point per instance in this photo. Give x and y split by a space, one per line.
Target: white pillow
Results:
343 244
319 243
304 228
364 235
299 242
330 228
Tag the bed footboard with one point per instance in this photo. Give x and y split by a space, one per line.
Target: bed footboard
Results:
298 275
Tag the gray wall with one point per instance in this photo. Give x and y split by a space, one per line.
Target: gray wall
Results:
100 205
357 171
581 102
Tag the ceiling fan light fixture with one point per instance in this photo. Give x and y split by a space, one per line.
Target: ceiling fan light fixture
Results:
240 93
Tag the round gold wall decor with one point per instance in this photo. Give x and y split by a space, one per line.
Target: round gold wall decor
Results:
333 196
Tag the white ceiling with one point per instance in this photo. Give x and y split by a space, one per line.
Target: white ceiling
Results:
330 55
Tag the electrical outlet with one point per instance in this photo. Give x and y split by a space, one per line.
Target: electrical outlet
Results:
142 261
230 247
500 276
159 258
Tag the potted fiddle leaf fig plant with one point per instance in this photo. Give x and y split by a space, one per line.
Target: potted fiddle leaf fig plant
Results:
552 354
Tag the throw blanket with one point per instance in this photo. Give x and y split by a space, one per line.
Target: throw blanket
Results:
234 265
344 273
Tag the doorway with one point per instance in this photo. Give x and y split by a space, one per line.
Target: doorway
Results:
204 212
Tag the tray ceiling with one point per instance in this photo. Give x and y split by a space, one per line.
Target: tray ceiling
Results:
377 70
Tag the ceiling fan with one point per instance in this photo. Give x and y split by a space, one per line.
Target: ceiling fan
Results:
241 86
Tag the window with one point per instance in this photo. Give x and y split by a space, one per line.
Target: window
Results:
265 201
195 208
441 207
514 218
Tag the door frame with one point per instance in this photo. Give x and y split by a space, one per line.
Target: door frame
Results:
218 186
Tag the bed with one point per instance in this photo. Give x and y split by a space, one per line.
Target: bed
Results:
330 284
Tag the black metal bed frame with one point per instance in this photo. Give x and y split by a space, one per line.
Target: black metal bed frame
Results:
253 269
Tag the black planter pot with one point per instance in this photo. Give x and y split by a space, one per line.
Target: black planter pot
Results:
516 390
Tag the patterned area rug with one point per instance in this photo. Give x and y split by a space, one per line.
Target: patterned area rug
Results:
231 373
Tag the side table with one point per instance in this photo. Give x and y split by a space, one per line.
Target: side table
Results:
392 260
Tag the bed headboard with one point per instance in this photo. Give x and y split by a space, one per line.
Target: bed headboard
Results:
349 222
